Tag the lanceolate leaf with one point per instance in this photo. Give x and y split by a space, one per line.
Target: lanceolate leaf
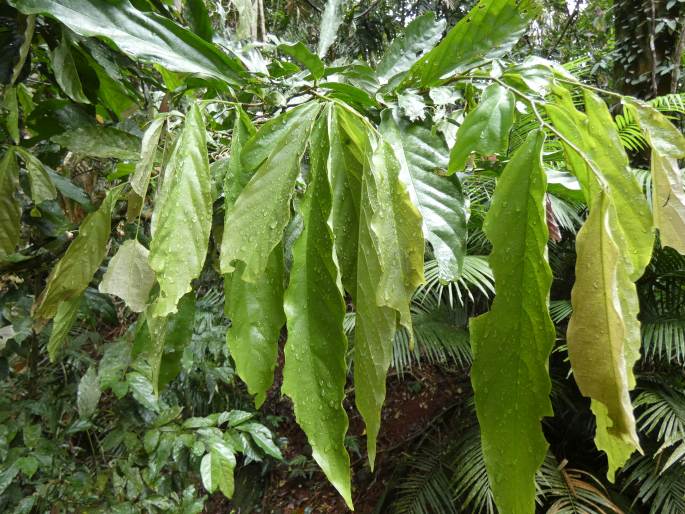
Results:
64 319
485 129
183 216
255 223
103 142
148 149
11 105
422 34
303 55
422 155
489 31
74 271
254 308
64 68
41 186
147 36
512 342
330 21
389 268
603 328
129 275
10 211
668 197
315 372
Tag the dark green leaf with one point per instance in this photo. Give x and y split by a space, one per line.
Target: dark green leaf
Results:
10 211
303 55
66 74
64 319
102 142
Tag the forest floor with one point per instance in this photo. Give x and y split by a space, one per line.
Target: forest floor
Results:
297 486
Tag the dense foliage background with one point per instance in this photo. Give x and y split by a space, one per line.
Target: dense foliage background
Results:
89 424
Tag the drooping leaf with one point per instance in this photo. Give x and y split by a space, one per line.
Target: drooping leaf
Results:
489 31
237 176
88 394
113 364
216 469
74 271
129 275
10 211
422 155
389 268
66 74
262 438
303 55
486 128
11 105
64 319
668 197
315 371
178 332
512 342
603 333
330 21
148 149
102 142
422 34
198 19
261 212
41 186
182 217
147 36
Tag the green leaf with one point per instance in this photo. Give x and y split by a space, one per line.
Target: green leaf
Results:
114 362
148 150
147 36
262 437
237 176
603 333
41 185
412 105
64 319
389 268
142 390
11 105
129 275
261 212
216 469
178 332
64 68
198 19
486 128
10 210
182 218
512 342
422 34
303 55
489 31
422 155
315 372
668 197
331 19
74 271
102 142
88 395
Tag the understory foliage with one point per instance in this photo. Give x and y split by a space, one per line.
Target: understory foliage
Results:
368 215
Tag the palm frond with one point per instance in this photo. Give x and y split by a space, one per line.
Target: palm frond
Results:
661 412
628 128
476 277
470 483
566 214
559 310
663 491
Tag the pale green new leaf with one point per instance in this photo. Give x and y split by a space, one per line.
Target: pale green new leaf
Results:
389 268
74 271
315 371
603 328
486 128
148 149
64 68
422 156
147 36
255 223
10 211
331 19
64 319
512 342
422 34
489 31
40 184
182 218
129 275
668 197
88 394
